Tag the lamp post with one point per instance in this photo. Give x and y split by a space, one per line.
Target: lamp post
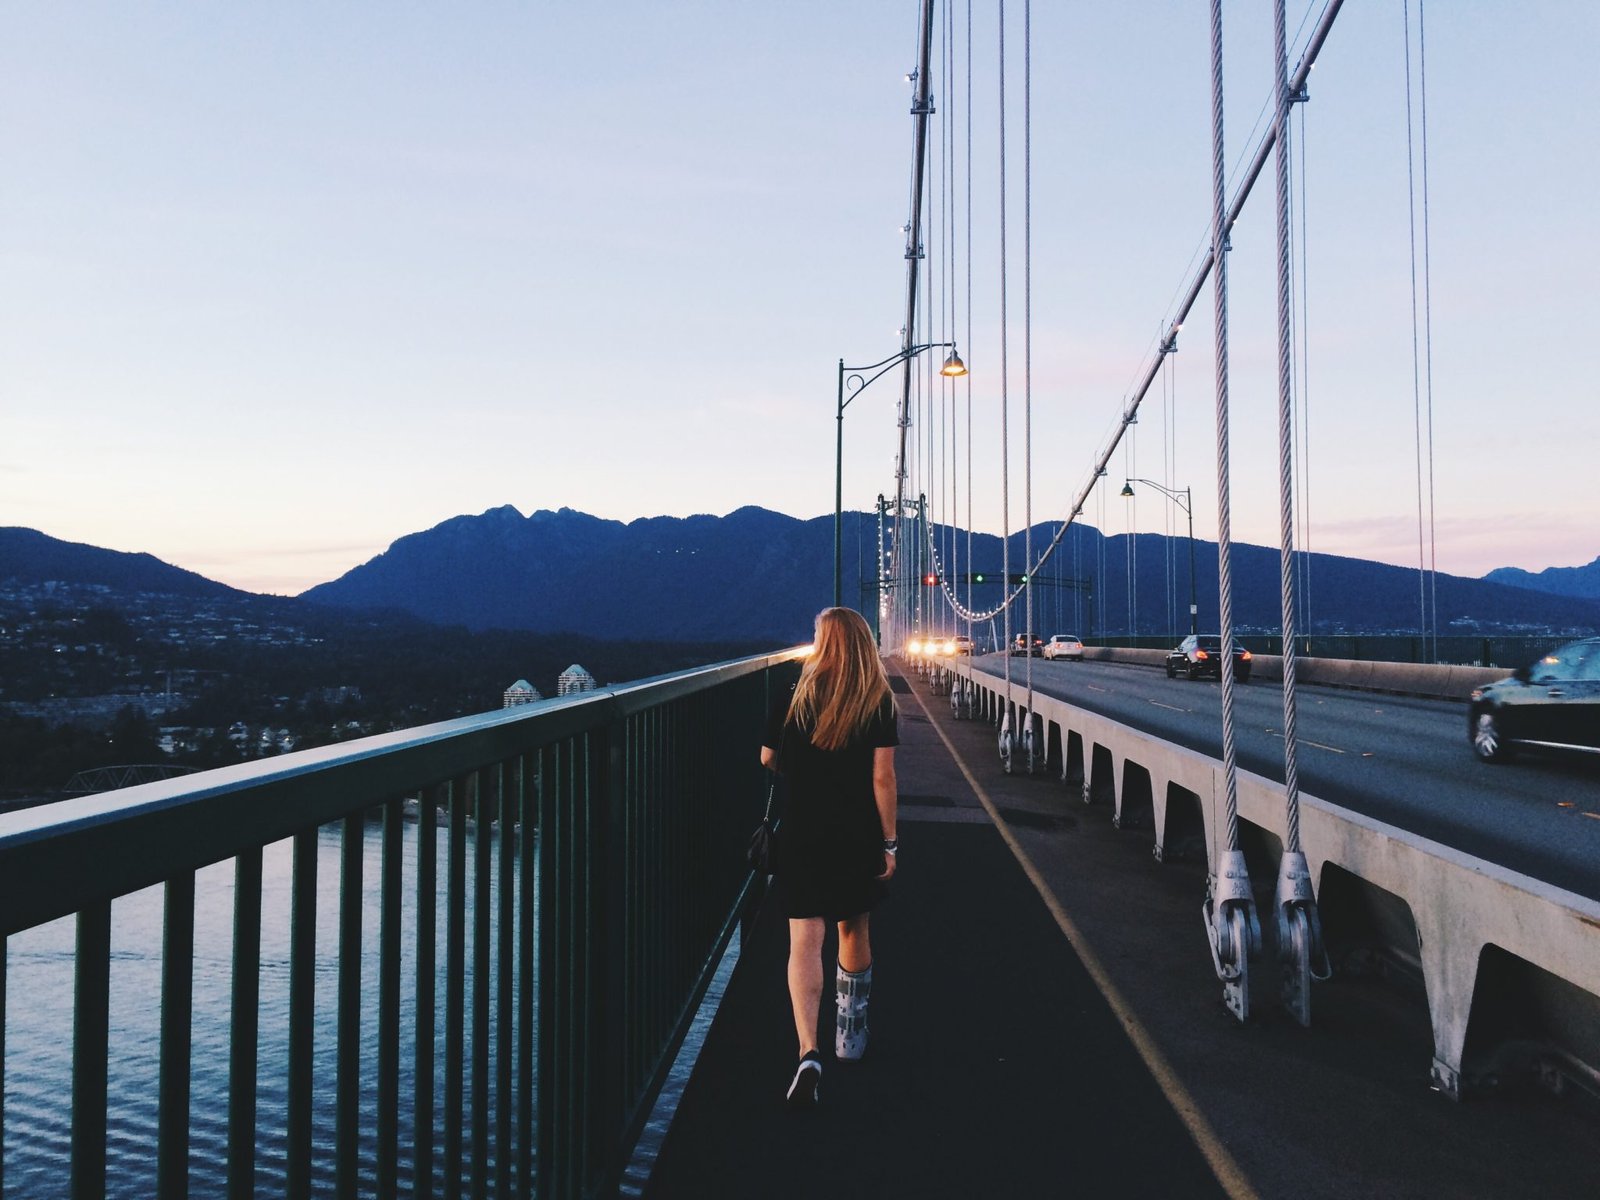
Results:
1184 501
850 377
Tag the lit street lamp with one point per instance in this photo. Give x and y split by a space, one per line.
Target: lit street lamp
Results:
1184 501
953 366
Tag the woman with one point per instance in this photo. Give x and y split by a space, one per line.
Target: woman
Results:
834 741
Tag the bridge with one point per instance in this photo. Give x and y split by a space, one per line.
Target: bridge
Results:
1150 941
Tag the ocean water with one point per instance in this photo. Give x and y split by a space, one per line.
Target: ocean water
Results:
39 1018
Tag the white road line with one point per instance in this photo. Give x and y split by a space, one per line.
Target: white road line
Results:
1169 707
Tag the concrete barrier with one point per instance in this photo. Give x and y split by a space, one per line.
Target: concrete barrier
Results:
1427 680
1469 927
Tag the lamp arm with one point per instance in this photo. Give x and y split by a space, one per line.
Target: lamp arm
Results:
1177 498
882 368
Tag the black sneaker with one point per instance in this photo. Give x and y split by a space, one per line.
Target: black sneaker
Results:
807 1083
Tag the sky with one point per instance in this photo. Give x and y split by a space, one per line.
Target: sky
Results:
282 283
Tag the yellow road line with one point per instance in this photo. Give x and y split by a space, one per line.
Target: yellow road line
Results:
1229 1174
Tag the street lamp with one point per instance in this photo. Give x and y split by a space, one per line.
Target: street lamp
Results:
1184 501
953 366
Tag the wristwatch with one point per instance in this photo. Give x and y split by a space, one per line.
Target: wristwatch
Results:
891 845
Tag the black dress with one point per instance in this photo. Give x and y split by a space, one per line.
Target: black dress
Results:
830 841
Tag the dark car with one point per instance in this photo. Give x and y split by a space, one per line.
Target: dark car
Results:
1027 643
1200 655
1554 704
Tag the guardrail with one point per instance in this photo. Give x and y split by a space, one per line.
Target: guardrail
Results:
591 943
1510 966
1430 680
1506 651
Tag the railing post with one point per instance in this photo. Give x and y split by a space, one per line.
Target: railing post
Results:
91 1017
177 1011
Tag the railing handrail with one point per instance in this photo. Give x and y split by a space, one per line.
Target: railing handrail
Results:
57 858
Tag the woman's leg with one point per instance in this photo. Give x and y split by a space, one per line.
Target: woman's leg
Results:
855 947
805 977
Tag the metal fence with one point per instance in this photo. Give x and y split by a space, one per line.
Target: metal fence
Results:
590 942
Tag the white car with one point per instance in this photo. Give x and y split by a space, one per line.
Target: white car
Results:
1064 645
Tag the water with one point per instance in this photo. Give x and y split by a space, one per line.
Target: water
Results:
38 1031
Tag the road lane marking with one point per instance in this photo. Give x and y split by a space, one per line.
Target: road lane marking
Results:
1169 707
1229 1173
1092 688
1318 745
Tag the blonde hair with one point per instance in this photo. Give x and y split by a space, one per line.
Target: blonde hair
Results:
843 682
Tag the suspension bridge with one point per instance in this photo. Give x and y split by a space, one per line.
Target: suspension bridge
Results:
1153 937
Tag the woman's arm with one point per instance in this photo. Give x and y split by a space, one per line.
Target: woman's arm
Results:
887 797
769 758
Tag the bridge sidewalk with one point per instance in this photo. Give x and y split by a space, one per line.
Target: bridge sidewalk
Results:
1010 1059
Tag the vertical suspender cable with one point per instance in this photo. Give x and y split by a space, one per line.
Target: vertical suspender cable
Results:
1427 325
1303 429
1219 279
1416 352
967 212
1027 346
1300 949
1005 394
1291 773
1230 908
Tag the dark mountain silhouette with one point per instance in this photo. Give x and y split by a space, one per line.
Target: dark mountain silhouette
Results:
28 556
756 574
1559 581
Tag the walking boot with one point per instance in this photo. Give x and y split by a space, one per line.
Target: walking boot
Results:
850 1031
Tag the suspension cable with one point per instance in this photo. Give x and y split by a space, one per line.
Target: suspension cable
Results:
1005 394
1219 254
1029 629
1416 349
1168 344
1291 768
1427 319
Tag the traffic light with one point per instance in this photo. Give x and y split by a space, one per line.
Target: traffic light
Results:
1019 579
930 579
977 577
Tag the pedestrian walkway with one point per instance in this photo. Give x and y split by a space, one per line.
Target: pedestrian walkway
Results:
1046 1023
996 1068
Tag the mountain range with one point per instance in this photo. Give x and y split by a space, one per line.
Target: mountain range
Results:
756 575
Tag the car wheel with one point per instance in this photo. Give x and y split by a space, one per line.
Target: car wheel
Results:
1170 672
1487 741
1194 670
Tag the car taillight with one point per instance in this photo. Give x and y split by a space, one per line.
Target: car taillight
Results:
1244 655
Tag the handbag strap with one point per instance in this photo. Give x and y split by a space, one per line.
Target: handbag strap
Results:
772 789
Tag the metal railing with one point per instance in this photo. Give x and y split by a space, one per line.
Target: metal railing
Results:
590 942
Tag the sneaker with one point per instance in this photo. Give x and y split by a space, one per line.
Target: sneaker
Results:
807 1083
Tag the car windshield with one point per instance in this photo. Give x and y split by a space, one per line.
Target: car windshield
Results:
1207 641
1566 663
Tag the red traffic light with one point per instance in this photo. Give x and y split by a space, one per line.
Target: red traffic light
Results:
930 579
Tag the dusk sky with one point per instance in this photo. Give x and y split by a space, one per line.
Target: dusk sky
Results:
282 283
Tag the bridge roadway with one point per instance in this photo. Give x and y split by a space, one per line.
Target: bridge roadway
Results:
1047 1023
1399 759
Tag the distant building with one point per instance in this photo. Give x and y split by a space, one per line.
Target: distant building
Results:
520 692
575 679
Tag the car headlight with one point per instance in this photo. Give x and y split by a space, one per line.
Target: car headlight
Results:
949 647
914 646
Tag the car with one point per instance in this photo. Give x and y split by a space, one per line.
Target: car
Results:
960 644
948 647
1200 655
1064 645
1553 704
1027 643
